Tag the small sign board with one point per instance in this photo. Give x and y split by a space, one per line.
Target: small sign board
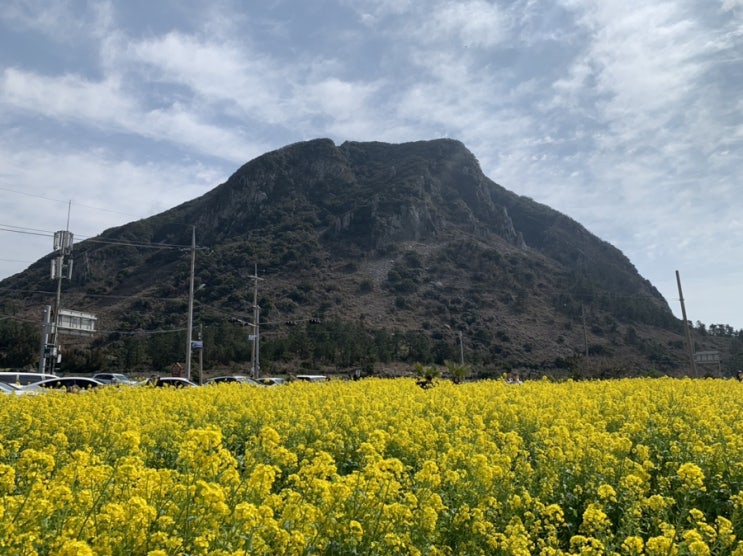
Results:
76 323
707 357
703 358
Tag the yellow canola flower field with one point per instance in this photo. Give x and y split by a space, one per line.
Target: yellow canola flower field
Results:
636 466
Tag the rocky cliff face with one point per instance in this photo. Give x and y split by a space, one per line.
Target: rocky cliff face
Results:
370 194
403 237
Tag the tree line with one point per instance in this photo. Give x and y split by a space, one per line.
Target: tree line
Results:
308 344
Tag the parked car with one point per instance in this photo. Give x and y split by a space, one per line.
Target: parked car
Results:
69 383
172 381
16 389
270 381
23 377
232 378
115 378
312 378
9 389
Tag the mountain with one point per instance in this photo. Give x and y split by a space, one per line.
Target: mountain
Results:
369 254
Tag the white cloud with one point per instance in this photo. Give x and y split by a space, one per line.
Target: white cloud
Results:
53 18
235 80
474 23
346 106
646 59
101 190
105 105
214 71
646 84
101 179
371 12
68 97
730 5
470 23
570 87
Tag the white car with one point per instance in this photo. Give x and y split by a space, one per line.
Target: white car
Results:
69 383
312 378
21 378
11 389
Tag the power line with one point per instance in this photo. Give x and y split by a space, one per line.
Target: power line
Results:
98 295
27 194
92 239
26 231
143 245
17 290
66 201
15 261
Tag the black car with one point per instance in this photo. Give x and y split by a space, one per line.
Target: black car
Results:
270 381
114 378
171 381
242 379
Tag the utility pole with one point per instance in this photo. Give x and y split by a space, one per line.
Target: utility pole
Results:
61 268
201 354
256 353
585 333
189 329
689 345
461 349
46 328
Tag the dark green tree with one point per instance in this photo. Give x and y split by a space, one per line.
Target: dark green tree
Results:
19 344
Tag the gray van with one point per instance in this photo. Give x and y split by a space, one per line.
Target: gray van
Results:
23 378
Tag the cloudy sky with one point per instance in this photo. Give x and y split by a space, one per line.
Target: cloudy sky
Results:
626 115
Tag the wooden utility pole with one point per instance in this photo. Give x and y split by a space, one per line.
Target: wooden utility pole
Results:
689 345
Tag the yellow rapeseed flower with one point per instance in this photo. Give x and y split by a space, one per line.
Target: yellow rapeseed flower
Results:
691 476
